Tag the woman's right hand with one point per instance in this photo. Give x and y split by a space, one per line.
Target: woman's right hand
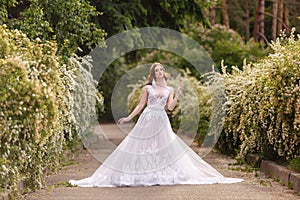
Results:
123 120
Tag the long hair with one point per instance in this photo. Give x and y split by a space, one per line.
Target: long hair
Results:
151 75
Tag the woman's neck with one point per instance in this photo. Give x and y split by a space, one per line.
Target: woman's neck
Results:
160 81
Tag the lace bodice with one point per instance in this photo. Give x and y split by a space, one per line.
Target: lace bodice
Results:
154 99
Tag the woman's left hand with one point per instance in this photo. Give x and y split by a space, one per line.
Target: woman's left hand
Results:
179 91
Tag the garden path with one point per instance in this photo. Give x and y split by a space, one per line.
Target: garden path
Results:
256 185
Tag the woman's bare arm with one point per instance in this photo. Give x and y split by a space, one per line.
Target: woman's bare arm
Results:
137 109
172 100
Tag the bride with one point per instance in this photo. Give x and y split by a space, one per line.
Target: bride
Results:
152 154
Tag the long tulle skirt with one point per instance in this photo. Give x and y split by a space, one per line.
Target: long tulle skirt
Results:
152 154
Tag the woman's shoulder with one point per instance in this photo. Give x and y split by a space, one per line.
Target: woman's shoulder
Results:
147 88
171 89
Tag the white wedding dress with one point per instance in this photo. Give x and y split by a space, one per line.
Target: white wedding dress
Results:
152 154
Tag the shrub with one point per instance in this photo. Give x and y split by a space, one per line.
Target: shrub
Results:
263 103
31 90
225 44
36 112
294 164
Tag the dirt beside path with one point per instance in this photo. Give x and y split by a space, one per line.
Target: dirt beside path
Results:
256 186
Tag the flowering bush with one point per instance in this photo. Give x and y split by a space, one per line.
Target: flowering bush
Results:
263 103
36 103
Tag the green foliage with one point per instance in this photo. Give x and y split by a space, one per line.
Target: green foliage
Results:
290 185
4 4
294 164
186 113
68 22
217 42
36 108
263 103
226 44
34 24
31 132
120 15
107 82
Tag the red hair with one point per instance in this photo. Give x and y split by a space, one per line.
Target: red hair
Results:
151 75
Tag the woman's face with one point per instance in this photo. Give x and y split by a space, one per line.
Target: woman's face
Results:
159 71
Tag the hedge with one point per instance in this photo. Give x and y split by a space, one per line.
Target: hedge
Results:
263 104
37 101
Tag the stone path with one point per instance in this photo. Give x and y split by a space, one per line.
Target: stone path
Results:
256 185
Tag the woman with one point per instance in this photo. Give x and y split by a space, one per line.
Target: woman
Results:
152 154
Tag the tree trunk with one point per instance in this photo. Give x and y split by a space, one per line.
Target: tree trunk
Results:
212 15
225 13
280 15
259 24
274 20
286 15
262 20
247 12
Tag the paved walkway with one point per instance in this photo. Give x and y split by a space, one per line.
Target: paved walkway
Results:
253 188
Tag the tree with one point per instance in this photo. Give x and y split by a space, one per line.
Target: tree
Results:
286 14
212 15
242 17
69 22
4 4
120 15
274 20
225 13
280 15
259 25
247 20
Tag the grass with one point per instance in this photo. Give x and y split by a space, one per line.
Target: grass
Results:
262 182
294 164
63 184
282 183
246 168
290 185
68 163
255 172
